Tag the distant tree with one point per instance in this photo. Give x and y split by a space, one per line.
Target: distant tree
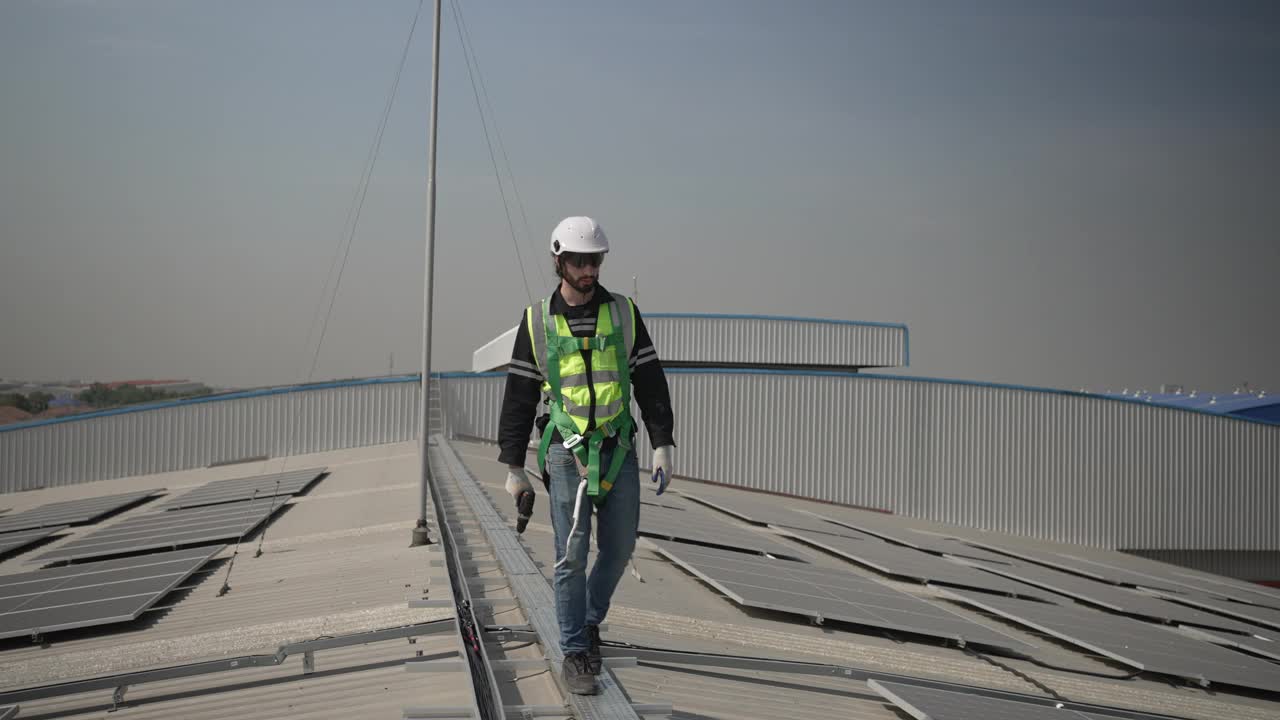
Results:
96 396
17 400
102 396
38 402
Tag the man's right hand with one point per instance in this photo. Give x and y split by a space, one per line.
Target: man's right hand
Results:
522 490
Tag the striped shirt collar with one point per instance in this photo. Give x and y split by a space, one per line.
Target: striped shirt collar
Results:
560 307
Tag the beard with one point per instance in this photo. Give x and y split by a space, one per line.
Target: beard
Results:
584 284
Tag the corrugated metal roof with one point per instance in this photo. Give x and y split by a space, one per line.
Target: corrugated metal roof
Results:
337 561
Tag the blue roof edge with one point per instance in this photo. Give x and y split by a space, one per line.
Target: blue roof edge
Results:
284 390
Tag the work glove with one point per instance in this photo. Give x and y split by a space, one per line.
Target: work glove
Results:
522 490
662 459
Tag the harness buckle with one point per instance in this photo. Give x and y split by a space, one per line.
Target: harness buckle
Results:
572 441
608 430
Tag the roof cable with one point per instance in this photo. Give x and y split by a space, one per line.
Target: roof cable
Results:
497 133
270 512
354 210
484 125
226 582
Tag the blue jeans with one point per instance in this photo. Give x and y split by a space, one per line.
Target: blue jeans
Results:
583 600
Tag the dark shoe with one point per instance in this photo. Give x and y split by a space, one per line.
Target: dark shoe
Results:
577 674
594 661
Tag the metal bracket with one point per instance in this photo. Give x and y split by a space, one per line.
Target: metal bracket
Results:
117 697
491 603
120 683
308 662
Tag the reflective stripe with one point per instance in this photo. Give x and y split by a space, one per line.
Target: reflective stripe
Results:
597 377
524 373
622 314
524 365
538 333
648 355
582 411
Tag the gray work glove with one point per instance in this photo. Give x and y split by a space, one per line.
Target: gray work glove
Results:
662 463
522 490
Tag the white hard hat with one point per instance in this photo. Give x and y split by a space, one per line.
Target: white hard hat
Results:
579 235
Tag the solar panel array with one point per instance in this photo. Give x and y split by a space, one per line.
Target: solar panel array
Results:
696 524
93 593
1118 575
1262 643
1134 643
1183 598
1256 614
824 593
909 563
1235 589
1080 566
1179 579
947 546
18 540
937 704
72 512
167 530
1114 598
772 513
920 541
246 488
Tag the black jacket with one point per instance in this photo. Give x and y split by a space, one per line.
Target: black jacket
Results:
524 382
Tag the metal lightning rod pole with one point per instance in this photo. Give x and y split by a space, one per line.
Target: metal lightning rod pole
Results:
421 536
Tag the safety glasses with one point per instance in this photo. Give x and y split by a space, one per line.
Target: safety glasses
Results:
581 260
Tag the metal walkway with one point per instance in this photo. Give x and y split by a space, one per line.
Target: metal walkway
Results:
455 491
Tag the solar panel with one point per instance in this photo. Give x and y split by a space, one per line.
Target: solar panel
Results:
1080 566
1260 643
1234 589
1128 576
1180 579
825 593
72 512
1256 614
1114 598
93 593
166 530
246 488
921 541
699 525
936 704
774 513
17 540
1134 643
906 562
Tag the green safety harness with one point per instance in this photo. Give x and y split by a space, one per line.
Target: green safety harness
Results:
587 448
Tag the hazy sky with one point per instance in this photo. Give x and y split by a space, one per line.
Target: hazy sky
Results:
1062 193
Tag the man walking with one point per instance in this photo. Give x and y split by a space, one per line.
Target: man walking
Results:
584 349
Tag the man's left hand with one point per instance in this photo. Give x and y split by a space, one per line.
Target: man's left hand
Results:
662 463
